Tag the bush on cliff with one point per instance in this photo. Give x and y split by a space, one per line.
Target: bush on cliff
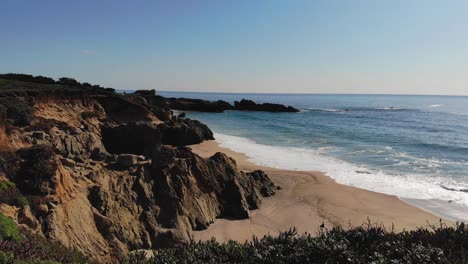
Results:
34 176
366 244
8 229
17 110
9 194
27 78
21 247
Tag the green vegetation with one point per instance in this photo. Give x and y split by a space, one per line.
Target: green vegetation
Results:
21 247
13 85
367 244
9 194
35 172
8 229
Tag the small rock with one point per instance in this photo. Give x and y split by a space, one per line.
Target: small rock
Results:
98 154
141 158
162 155
39 135
182 115
68 162
78 159
43 208
127 160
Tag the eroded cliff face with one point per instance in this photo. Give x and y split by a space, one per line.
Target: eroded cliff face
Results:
110 174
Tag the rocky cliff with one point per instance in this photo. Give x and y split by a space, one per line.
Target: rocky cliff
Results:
107 174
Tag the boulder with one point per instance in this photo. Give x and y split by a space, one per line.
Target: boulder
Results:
127 160
162 156
184 132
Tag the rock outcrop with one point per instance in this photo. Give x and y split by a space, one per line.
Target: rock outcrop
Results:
249 105
187 104
107 174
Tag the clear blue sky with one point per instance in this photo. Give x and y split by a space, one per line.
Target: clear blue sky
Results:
342 46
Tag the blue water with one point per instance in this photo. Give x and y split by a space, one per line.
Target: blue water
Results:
409 146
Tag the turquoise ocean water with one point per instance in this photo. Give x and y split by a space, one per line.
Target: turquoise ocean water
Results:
411 146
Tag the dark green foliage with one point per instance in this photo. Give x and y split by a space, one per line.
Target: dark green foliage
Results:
29 248
366 244
69 81
17 110
9 163
8 229
9 194
23 85
34 176
27 78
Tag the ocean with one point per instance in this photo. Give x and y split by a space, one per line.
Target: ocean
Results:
414 147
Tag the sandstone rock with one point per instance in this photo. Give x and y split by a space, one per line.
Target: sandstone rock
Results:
113 201
162 156
98 154
127 160
26 217
40 135
68 162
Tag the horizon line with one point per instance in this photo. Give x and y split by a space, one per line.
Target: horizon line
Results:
276 93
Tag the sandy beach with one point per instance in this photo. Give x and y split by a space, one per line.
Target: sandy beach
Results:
306 200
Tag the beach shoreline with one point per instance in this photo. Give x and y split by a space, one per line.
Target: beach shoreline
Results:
308 199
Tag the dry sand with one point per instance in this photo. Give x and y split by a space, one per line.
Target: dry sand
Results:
308 199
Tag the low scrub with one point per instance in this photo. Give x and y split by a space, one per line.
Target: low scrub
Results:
9 194
21 247
366 244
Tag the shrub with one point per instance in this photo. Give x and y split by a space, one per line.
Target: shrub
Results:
34 249
365 244
34 177
9 194
17 110
8 229
68 81
27 78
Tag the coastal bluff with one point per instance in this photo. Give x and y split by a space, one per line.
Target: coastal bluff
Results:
107 173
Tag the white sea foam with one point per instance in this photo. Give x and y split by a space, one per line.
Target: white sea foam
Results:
435 105
325 109
388 108
411 186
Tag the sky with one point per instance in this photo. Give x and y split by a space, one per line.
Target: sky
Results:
264 46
